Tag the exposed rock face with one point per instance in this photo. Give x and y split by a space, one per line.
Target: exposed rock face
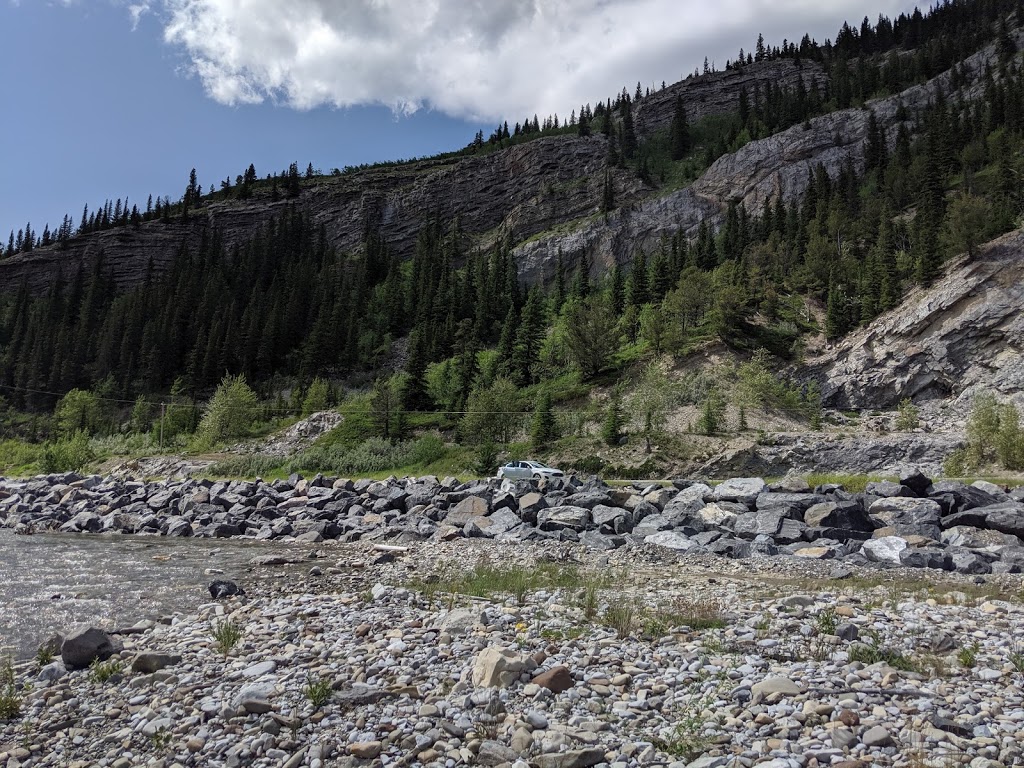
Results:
719 93
887 454
965 332
519 191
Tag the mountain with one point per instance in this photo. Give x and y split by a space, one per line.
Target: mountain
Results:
812 200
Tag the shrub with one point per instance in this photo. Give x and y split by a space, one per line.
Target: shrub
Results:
994 435
68 455
486 460
226 634
10 696
908 416
620 616
426 450
231 411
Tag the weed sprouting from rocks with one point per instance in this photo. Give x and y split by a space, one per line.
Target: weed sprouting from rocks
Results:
226 634
318 691
826 621
102 671
968 655
10 696
620 616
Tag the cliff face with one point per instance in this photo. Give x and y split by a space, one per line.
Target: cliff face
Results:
719 92
964 333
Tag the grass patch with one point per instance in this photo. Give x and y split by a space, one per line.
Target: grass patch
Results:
695 614
102 671
851 483
318 691
620 616
873 652
19 458
488 581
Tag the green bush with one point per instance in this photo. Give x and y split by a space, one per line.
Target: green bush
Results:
908 417
426 450
994 436
231 412
18 456
317 397
67 455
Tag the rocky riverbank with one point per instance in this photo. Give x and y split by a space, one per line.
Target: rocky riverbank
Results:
946 525
642 656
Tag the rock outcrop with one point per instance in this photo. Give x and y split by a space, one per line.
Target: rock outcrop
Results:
963 334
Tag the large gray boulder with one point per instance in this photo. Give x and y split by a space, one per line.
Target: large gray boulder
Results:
1007 517
84 644
562 518
908 516
742 489
849 515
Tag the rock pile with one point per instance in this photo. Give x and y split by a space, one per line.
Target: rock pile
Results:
948 525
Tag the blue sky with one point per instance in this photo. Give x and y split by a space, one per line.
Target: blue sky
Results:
114 98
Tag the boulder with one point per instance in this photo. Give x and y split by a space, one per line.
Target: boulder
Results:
611 519
85 644
672 540
742 489
530 504
497 668
556 679
925 557
916 481
888 489
887 549
469 508
563 518
908 516
848 515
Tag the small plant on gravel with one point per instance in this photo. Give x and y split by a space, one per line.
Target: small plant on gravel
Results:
318 691
762 625
10 696
102 671
968 655
160 739
827 621
620 616
44 656
695 614
226 634
873 652
590 596
1016 658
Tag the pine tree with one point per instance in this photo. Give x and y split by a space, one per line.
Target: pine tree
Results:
543 428
611 428
679 131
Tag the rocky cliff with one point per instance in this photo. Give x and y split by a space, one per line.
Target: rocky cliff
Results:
544 195
964 333
719 92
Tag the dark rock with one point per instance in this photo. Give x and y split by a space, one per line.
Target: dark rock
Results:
848 515
926 557
970 561
800 502
85 644
887 489
222 588
908 516
599 542
916 481
956 497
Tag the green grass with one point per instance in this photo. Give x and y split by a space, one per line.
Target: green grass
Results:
226 635
489 581
102 671
19 458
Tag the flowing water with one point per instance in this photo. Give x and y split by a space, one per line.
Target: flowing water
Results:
48 582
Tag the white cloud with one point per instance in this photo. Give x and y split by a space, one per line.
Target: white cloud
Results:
478 59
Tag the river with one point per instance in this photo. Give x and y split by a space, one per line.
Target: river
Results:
48 582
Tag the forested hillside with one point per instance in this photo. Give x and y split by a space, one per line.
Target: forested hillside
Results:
450 326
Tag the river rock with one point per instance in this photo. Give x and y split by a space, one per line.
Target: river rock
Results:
84 644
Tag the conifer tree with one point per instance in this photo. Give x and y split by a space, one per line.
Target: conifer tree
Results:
543 428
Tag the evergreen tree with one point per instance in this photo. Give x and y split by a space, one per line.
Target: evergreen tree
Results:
679 131
543 428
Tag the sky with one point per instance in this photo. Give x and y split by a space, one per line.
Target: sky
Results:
122 98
